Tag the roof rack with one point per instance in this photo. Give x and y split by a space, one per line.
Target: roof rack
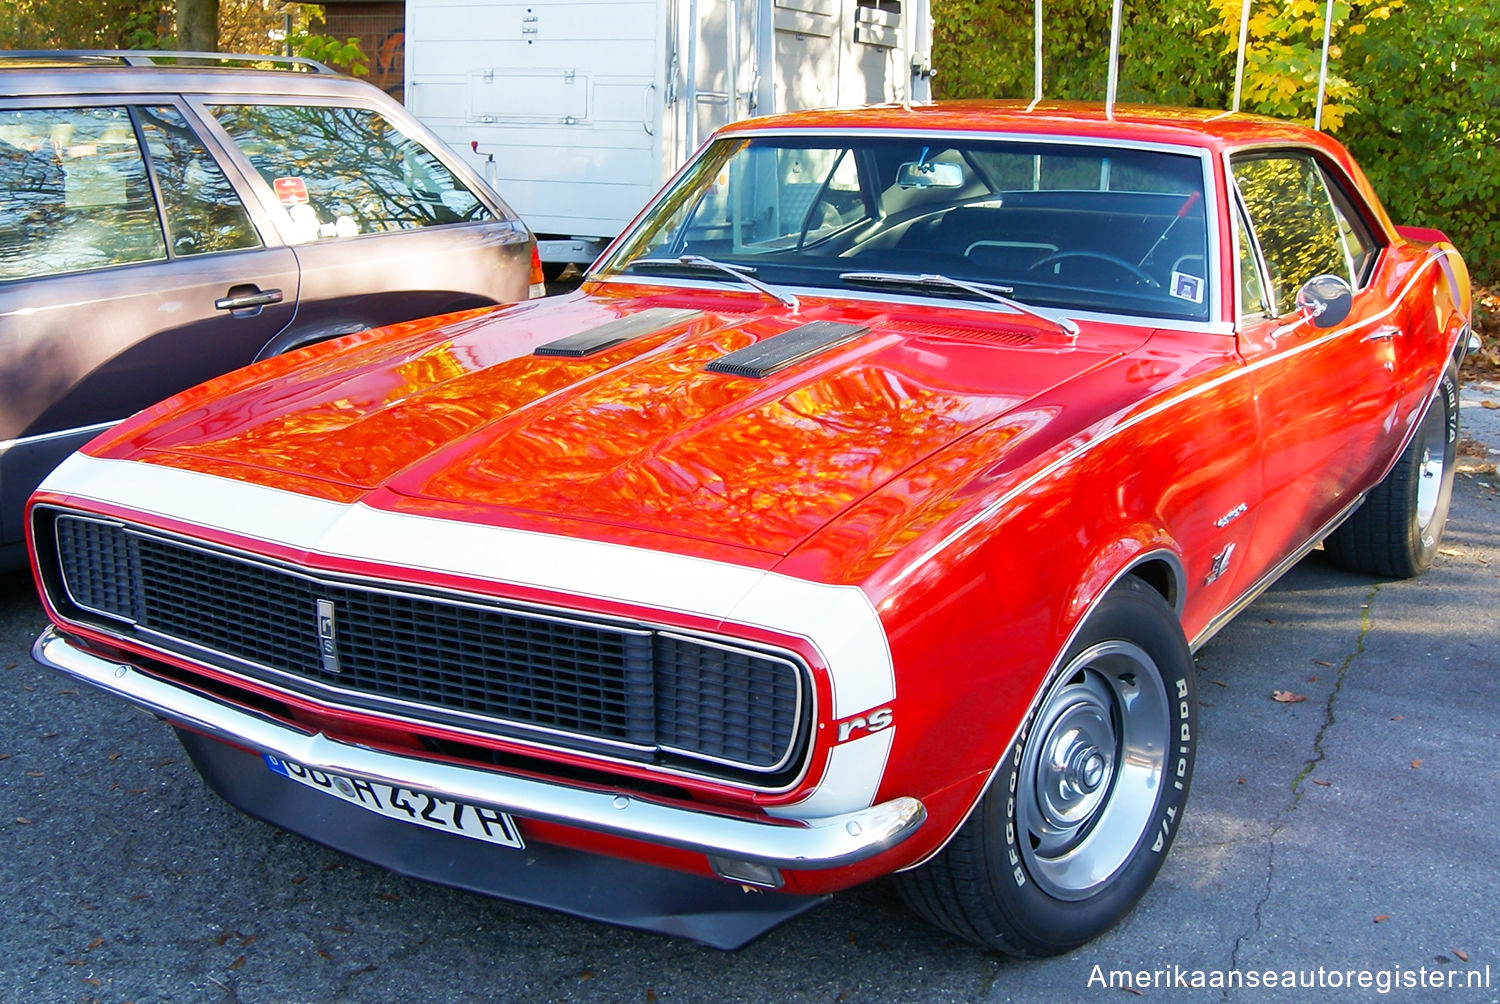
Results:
160 57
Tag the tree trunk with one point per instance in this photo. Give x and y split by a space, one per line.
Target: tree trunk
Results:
198 25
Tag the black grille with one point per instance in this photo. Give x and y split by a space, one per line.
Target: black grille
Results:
441 658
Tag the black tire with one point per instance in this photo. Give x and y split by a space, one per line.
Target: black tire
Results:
1010 879
1396 531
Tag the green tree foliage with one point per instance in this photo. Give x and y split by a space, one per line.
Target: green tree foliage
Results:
1414 87
68 24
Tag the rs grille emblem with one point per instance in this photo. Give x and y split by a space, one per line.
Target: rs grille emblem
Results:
328 640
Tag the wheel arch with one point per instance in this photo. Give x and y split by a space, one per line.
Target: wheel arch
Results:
1161 570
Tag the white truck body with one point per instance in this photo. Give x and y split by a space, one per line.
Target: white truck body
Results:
577 111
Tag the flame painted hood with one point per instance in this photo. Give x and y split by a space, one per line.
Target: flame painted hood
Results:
464 416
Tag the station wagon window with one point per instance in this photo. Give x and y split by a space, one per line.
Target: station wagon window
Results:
78 195
204 214
1304 227
341 172
1112 229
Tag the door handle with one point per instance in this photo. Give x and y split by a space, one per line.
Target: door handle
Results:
241 301
1384 333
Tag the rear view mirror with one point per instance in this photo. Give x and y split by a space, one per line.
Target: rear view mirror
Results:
919 174
1325 300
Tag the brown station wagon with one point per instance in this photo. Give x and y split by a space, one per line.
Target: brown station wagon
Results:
168 217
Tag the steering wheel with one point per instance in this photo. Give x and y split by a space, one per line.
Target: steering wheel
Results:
1135 270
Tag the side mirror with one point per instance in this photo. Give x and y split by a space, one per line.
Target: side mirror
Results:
1325 300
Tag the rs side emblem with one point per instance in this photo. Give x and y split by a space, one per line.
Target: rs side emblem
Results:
328 639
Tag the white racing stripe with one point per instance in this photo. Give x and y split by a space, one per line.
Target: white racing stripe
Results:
839 621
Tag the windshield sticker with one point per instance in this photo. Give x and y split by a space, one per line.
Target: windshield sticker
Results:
291 191
1187 287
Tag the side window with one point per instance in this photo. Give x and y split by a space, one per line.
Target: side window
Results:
1294 222
77 195
1252 290
1360 244
204 213
342 172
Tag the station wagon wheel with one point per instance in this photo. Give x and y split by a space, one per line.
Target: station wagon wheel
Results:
1081 812
1396 531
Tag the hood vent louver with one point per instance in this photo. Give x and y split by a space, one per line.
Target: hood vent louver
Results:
780 351
611 333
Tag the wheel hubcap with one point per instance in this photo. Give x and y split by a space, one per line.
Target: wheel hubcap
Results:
1091 776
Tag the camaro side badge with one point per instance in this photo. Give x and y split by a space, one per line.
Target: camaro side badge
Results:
328 637
1230 516
1221 562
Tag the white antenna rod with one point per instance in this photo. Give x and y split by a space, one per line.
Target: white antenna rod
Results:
1323 68
1036 58
1239 63
1114 58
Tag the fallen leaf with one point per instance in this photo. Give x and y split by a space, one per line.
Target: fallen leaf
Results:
1463 956
342 930
1381 918
11 665
74 962
140 896
114 756
1450 552
1270 621
299 879
68 690
1398 718
49 735
1321 783
650 996
585 974
247 941
221 939
1489 404
1312 679
6 756
1320 662
1220 683
390 897
333 866
1287 697
1415 764
165 763
1132 990
237 962
136 791
34 773
94 944
28 688
324 954
23 820
1242 781
93 981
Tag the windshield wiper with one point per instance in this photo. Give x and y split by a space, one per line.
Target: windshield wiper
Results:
984 289
698 262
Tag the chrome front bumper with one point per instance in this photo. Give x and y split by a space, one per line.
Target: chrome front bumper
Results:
826 842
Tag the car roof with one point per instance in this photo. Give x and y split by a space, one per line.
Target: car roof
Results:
1194 127
104 72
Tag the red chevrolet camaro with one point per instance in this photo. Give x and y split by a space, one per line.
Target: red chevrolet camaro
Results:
858 516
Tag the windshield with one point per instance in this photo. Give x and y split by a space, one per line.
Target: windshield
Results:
1051 224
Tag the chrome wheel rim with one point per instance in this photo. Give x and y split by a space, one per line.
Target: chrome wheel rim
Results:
1092 769
1431 470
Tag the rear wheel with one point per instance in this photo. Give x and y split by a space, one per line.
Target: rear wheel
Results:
1395 532
1079 817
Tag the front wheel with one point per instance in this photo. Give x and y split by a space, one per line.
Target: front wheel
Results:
1395 531
1079 816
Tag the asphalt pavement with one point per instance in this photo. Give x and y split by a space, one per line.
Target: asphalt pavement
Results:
1348 840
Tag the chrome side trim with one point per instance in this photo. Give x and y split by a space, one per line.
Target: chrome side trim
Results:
815 843
83 430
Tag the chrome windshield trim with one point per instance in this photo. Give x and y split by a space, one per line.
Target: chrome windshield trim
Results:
814 843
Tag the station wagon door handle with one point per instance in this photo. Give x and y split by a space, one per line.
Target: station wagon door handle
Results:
241 301
1384 333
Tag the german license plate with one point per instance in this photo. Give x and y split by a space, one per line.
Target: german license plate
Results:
477 822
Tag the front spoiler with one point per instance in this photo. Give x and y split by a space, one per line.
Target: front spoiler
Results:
815 843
